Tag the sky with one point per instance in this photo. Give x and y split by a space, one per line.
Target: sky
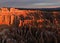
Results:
31 0
29 3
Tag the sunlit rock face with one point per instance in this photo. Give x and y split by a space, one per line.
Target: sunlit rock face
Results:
24 17
7 16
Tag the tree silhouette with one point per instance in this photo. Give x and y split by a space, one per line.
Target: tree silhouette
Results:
16 21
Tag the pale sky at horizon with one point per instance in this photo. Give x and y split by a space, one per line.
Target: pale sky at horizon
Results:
30 2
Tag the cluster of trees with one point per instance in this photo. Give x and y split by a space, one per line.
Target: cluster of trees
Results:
26 34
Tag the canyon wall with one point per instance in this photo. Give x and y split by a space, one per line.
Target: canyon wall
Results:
7 16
